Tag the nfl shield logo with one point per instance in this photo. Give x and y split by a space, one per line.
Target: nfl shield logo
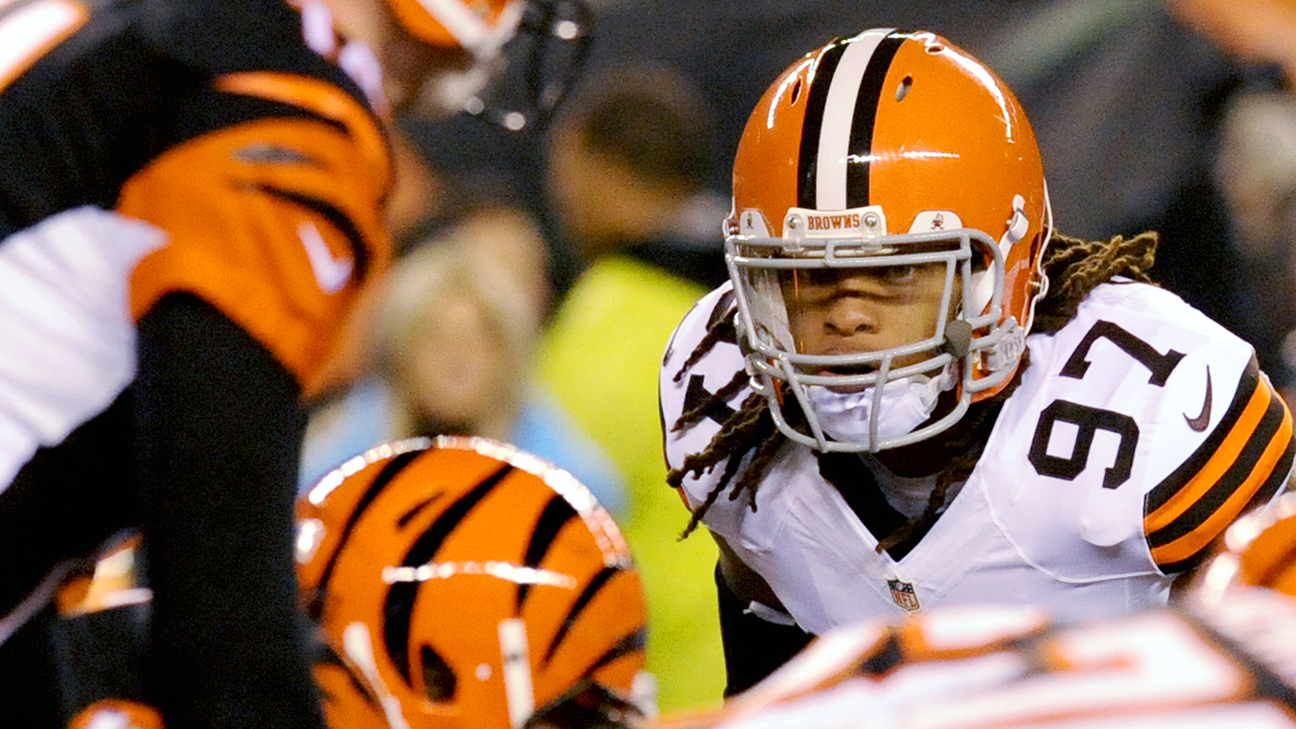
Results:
904 596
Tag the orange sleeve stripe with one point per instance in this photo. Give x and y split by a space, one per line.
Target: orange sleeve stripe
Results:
235 232
322 98
1216 467
1189 544
296 341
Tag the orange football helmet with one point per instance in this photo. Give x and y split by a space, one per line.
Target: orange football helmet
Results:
888 150
461 582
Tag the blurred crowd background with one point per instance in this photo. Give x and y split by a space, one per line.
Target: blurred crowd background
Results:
542 269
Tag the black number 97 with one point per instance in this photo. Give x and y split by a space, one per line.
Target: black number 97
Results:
1091 420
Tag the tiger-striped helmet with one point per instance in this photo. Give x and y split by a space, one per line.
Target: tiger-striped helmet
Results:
883 152
461 582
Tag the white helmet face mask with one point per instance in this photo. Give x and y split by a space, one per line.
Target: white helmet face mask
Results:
876 399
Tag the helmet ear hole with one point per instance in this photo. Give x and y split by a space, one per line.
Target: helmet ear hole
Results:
902 89
438 678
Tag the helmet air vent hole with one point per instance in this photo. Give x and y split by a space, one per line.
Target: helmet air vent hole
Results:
902 89
796 92
438 678
936 48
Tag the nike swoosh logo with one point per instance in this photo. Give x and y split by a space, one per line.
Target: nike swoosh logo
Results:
1200 422
331 273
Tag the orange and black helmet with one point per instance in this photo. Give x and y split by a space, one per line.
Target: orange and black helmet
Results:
889 149
462 582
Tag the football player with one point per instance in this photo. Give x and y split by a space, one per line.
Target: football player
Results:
1222 657
453 583
191 203
913 392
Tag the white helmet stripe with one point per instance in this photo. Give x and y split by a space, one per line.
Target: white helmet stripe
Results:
519 692
838 115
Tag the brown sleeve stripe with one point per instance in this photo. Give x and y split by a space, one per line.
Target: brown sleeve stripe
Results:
1174 484
1224 456
1247 468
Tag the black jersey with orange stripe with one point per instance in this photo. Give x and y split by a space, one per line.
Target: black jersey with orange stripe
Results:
258 161
191 204
95 89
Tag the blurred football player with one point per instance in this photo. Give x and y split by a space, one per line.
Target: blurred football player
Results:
454 583
191 203
913 392
1222 658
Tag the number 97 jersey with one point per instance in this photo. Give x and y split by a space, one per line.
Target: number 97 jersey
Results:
1142 426
1138 433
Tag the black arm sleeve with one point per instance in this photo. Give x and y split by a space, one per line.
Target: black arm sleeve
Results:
753 647
219 430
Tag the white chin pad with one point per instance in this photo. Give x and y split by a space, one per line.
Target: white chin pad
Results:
906 403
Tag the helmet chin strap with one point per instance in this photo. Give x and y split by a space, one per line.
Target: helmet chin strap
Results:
1018 227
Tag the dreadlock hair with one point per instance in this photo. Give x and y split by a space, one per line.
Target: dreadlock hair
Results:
1075 267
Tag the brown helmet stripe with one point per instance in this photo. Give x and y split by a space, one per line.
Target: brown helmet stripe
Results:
866 105
807 164
837 133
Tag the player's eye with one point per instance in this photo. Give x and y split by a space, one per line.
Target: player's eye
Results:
899 275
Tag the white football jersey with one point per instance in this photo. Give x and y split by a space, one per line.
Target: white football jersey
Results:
1138 433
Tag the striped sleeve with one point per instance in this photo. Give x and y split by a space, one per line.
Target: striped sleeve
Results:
273 215
1241 465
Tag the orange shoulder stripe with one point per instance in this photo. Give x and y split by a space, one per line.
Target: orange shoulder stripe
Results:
1198 539
1216 467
